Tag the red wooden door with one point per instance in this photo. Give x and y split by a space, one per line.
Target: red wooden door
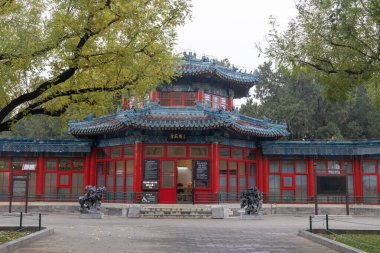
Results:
167 189
64 185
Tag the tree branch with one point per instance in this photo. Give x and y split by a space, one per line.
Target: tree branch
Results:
35 107
336 44
64 76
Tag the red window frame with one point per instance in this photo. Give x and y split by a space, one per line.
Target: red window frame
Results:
67 171
243 159
342 171
285 174
8 170
109 158
375 173
177 98
216 101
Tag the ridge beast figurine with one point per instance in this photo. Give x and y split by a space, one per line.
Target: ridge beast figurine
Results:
251 199
91 201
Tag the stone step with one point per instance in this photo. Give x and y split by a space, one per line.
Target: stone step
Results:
175 212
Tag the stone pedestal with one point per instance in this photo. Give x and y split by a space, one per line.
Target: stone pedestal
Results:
92 215
244 216
124 212
134 211
220 212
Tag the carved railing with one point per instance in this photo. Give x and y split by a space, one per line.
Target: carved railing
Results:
204 198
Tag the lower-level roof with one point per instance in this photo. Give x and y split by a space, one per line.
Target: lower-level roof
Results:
321 148
182 118
45 145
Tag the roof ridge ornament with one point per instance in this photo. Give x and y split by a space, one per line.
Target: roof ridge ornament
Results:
89 117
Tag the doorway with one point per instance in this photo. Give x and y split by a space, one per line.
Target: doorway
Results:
184 181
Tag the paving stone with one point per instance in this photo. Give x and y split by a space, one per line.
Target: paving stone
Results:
117 234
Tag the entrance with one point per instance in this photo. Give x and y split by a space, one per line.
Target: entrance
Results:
184 181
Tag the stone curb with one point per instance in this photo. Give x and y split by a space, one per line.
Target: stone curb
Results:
7 247
340 247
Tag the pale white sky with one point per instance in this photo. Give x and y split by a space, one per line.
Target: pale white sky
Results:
231 28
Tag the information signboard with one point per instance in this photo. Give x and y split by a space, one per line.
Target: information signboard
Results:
19 189
201 170
150 185
331 185
150 170
149 198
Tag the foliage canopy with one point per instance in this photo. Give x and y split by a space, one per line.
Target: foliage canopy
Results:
337 40
63 56
298 100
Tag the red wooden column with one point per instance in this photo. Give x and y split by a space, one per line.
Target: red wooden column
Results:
200 96
214 167
92 168
310 178
259 171
137 172
263 173
358 184
40 175
230 104
86 170
153 96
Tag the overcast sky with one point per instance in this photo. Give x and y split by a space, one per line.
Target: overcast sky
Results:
231 28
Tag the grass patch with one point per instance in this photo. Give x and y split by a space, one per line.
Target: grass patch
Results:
367 242
6 236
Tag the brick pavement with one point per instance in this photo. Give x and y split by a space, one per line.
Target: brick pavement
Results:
117 234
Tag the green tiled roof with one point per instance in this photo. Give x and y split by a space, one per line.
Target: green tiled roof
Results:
45 145
171 118
236 79
321 148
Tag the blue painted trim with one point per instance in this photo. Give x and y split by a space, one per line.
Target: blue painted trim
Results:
154 117
46 145
321 148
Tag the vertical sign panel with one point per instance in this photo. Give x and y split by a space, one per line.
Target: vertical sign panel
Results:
201 170
150 179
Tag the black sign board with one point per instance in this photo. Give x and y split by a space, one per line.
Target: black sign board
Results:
179 137
150 185
201 169
331 185
150 170
19 189
149 198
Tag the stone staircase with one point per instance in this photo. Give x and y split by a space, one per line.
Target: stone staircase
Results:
176 212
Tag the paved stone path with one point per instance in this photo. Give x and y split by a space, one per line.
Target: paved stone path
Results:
117 234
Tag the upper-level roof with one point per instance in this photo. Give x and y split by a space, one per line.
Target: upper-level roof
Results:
238 80
197 117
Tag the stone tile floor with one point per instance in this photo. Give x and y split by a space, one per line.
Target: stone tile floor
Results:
116 234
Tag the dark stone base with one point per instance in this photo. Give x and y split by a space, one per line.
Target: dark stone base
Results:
251 217
98 215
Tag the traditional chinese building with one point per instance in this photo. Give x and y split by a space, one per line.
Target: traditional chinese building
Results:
188 144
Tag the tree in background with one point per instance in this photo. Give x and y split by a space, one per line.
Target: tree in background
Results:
64 57
298 100
337 41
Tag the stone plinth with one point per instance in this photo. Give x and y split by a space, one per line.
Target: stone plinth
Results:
134 211
244 216
124 212
220 212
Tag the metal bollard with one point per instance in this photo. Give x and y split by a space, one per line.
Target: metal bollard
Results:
20 220
39 222
310 224
327 222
